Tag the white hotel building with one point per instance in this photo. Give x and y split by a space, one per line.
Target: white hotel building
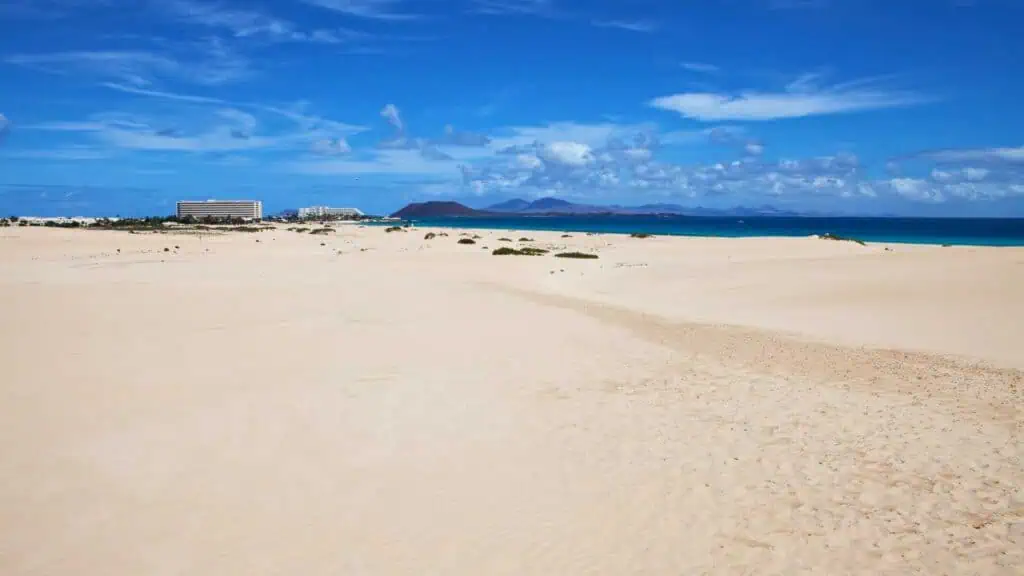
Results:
248 209
326 211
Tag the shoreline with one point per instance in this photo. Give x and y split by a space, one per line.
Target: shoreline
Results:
456 223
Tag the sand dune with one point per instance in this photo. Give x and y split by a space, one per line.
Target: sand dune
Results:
375 403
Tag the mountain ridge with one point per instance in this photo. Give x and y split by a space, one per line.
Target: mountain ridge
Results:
550 206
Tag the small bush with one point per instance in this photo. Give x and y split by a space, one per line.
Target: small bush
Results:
639 235
504 239
430 236
391 229
477 236
445 234
525 239
322 231
505 251
467 241
566 235
836 237
579 255
167 249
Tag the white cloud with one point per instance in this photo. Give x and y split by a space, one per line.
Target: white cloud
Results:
162 94
396 162
245 23
589 134
975 174
207 63
628 25
529 162
998 155
915 189
393 116
754 148
331 146
370 9
800 99
568 153
544 8
700 67
5 128
206 130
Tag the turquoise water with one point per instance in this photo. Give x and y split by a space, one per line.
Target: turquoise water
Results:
955 231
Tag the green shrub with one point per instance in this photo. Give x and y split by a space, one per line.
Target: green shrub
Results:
430 236
566 235
525 239
640 235
322 231
836 237
580 255
506 251
467 241
504 239
391 229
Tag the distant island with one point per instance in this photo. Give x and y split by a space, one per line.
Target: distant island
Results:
559 207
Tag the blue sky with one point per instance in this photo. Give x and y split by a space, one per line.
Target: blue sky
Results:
846 106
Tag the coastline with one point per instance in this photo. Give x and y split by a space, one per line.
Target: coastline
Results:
374 401
954 231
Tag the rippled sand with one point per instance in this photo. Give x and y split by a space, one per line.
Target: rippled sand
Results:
385 404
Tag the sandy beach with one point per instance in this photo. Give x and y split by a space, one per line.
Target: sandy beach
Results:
373 403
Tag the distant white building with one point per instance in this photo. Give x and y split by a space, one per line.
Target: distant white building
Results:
326 211
248 209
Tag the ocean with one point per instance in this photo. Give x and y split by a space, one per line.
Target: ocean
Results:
953 231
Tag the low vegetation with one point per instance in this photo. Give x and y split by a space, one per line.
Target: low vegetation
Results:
430 236
467 241
579 255
391 229
566 235
504 239
525 239
505 251
324 230
640 235
836 237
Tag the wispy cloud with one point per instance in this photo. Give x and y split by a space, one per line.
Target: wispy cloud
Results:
212 130
206 63
393 116
1007 155
246 23
369 9
545 8
5 128
162 94
700 67
801 98
76 153
630 25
